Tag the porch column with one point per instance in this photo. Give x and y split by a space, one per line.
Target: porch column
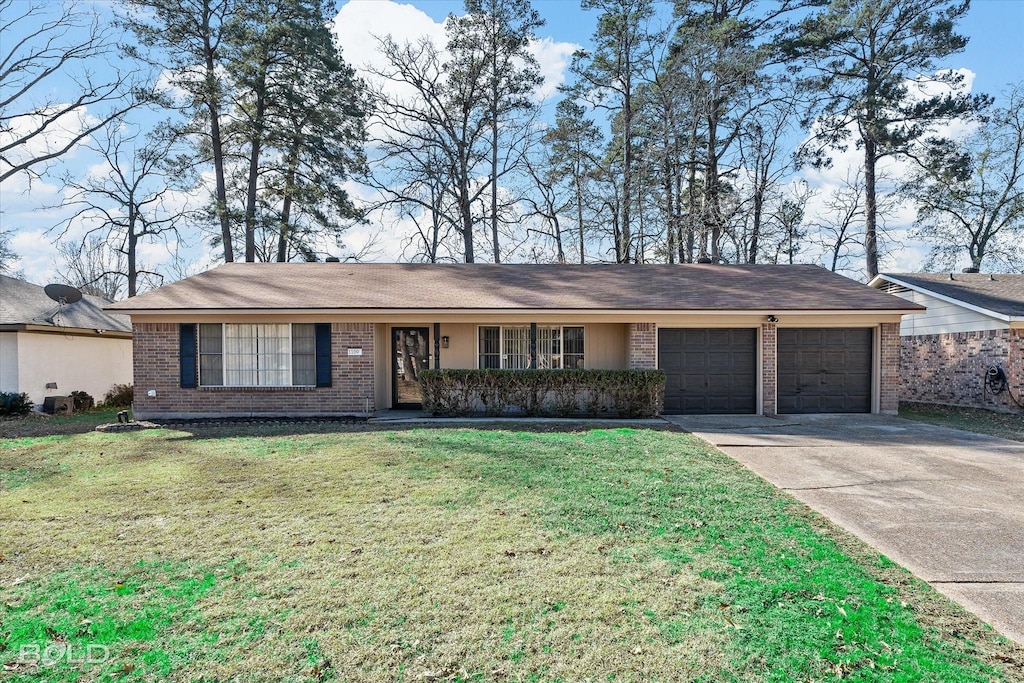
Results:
437 346
769 369
533 346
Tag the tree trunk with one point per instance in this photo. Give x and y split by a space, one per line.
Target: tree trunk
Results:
216 143
256 144
622 252
284 233
870 207
132 239
755 232
494 153
579 216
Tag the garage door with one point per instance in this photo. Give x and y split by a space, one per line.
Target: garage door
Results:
826 370
710 371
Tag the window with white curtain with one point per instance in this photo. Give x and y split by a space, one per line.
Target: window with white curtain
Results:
257 354
509 347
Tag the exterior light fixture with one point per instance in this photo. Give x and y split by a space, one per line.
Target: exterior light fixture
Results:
444 342
772 319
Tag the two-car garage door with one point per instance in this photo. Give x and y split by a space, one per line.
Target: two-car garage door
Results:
715 370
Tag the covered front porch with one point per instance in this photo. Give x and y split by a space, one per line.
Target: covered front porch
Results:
403 349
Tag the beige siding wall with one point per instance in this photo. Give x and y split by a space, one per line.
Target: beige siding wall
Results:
382 366
9 362
943 317
75 363
604 345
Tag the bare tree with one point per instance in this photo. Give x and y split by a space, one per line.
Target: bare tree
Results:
7 254
970 196
93 266
131 202
41 48
426 117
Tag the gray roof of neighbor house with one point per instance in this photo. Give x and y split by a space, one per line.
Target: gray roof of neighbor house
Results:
368 286
23 303
1001 293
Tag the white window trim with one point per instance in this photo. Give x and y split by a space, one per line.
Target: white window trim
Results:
561 338
223 363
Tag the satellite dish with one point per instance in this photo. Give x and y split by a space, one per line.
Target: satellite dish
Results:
63 294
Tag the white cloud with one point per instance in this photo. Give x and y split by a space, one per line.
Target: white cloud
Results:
554 58
361 23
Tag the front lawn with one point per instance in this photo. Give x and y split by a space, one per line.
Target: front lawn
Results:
448 554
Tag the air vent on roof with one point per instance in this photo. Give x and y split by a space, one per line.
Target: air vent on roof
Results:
704 259
893 288
332 259
971 269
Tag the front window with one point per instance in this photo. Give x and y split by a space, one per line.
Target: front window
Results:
508 347
257 354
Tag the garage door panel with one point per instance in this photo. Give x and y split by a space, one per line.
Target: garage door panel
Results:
714 370
824 370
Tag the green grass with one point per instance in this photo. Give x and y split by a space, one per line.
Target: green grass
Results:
37 424
1003 425
451 554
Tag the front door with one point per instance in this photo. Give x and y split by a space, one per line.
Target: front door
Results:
410 353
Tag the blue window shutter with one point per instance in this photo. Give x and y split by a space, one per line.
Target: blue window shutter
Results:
323 354
187 355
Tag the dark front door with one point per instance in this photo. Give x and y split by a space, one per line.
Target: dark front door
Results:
824 370
410 353
709 371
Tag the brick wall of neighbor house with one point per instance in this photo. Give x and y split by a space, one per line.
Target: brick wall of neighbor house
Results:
643 346
156 367
949 369
769 368
889 364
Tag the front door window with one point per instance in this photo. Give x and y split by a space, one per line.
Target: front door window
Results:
411 354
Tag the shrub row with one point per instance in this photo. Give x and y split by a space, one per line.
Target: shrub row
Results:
562 393
12 403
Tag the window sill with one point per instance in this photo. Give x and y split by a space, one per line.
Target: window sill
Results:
260 389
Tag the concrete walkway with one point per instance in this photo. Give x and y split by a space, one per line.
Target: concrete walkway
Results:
946 504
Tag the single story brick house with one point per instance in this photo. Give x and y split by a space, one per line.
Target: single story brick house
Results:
974 322
48 349
342 338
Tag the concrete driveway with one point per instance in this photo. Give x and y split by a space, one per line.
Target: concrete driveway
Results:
946 504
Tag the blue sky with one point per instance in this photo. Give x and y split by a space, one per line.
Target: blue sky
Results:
995 55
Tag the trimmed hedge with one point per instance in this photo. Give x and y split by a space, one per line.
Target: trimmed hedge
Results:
561 393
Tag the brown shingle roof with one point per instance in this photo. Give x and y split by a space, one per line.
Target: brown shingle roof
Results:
455 287
999 292
363 286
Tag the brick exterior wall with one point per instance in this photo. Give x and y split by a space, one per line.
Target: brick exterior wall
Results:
949 369
155 347
889 363
769 369
643 346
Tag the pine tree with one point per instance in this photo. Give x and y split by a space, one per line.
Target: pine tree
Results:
873 64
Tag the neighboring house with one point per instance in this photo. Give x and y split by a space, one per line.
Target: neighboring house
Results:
974 322
49 349
330 338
